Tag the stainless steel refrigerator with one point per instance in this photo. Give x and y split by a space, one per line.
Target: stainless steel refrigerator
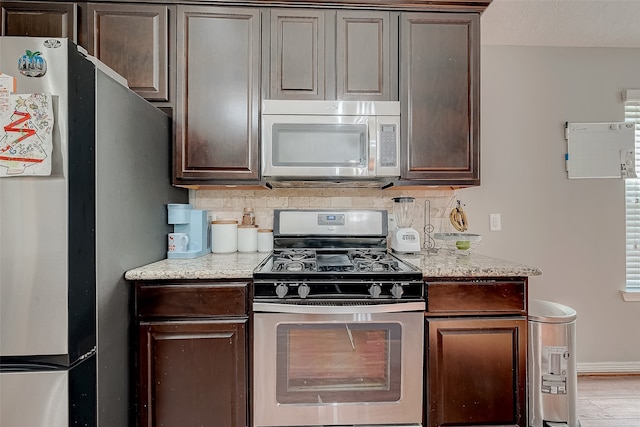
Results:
67 236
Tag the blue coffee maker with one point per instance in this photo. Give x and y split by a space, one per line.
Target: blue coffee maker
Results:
196 223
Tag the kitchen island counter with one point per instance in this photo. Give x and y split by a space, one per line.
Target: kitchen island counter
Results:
240 266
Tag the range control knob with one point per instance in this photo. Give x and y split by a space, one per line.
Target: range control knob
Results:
303 290
396 290
375 290
281 290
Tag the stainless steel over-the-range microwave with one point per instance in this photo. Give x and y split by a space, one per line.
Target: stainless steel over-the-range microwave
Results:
330 139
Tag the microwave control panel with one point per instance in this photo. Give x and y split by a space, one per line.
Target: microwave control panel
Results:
388 146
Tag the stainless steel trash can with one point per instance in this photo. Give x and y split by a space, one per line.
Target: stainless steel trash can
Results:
552 376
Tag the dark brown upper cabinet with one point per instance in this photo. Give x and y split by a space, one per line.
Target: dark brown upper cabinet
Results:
133 40
440 98
217 95
367 55
39 19
328 54
296 53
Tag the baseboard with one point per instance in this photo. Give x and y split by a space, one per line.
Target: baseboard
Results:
608 367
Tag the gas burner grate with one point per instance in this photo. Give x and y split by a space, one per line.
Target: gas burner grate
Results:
369 254
296 254
376 266
294 260
352 260
373 260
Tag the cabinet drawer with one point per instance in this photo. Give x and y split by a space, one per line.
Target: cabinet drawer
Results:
191 300
481 296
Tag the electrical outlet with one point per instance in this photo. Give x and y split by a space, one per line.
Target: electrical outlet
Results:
495 222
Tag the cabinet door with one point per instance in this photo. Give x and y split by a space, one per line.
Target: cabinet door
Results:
366 63
297 54
133 40
476 372
439 95
217 94
193 374
46 19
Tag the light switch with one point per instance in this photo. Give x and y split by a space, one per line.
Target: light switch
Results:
495 222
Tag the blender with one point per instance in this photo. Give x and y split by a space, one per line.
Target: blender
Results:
404 239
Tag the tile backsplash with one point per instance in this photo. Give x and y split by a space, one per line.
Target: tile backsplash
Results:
228 204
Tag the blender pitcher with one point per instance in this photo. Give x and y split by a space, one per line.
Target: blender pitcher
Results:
403 211
404 239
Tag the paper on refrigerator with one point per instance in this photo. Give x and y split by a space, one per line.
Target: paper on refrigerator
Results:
26 135
7 87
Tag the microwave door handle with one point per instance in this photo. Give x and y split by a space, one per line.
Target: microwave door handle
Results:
373 146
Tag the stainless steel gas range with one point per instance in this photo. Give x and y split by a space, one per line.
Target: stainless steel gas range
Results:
338 325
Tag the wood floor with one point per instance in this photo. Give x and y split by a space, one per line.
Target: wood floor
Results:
609 401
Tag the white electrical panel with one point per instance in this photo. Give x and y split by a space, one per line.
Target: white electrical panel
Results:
600 150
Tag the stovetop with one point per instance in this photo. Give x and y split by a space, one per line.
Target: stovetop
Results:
336 264
336 254
334 261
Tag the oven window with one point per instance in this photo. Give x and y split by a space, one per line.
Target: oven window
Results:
338 362
337 145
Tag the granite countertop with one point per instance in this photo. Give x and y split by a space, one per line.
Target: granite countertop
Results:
240 266
444 264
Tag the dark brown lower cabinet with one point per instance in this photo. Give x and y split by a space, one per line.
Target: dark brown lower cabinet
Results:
476 376
192 374
476 354
192 358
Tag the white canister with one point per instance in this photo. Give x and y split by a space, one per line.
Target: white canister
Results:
247 238
224 236
265 240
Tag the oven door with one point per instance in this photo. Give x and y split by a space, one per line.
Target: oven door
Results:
358 365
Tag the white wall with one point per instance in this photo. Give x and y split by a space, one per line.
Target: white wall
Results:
572 229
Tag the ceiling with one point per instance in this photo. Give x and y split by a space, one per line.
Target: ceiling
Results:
584 23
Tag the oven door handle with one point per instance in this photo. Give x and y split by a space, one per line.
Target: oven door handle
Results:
272 307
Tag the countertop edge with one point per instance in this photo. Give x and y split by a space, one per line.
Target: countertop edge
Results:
241 265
